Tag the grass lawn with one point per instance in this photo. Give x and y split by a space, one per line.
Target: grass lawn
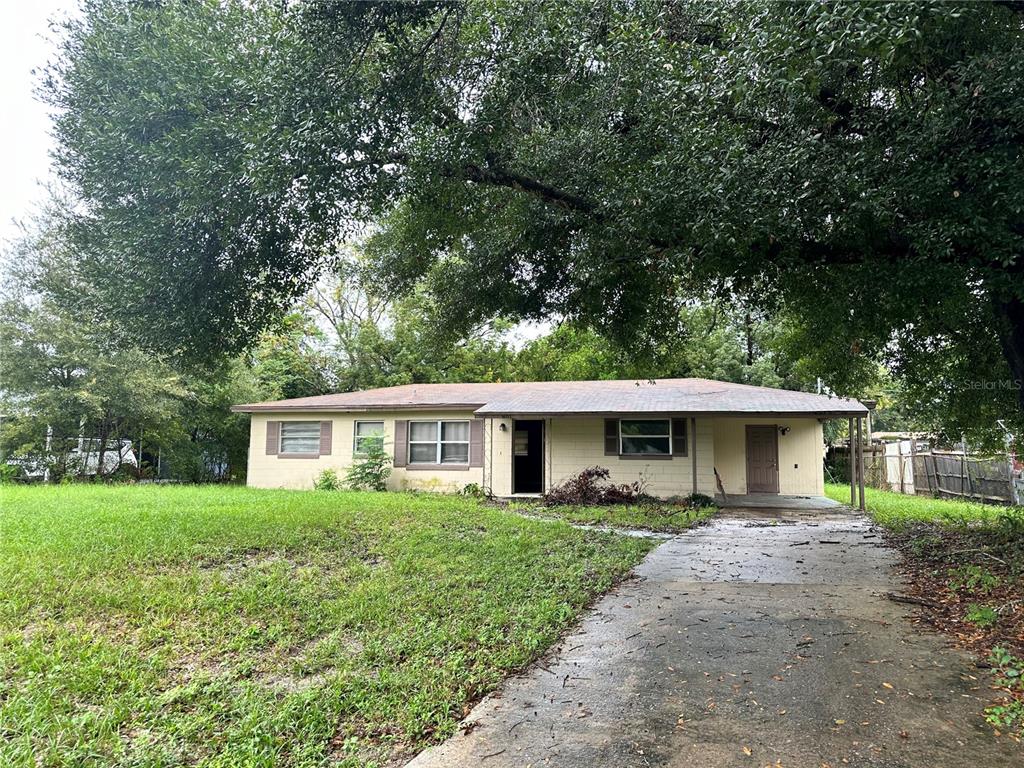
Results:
896 510
665 518
227 626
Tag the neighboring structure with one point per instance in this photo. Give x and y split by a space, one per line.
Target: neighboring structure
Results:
524 438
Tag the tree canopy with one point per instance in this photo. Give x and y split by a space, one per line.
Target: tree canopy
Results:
854 167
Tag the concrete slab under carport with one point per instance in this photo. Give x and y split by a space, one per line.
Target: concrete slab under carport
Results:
756 640
766 501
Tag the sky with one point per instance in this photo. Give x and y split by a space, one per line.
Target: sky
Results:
24 121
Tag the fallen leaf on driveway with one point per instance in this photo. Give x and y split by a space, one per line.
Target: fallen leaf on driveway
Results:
747 752
887 685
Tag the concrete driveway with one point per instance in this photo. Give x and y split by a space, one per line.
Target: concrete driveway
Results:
762 639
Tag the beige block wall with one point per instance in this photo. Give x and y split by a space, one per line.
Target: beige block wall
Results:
800 454
498 456
571 445
575 443
277 472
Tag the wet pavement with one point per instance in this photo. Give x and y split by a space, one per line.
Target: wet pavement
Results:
762 639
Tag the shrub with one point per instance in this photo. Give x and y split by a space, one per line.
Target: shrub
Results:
328 480
590 488
8 473
476 491
699 501
982 616
370 471
973 578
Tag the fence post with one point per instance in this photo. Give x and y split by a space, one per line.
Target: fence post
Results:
860 456
853 468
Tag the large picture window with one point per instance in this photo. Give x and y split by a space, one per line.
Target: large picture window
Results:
645 437
369 436
300 437
438 442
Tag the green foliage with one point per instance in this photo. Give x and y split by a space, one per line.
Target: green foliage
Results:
982 616
845 166
1008 669
328 480
476 491
973 579
700 501
369 471
8 473
1009 675
249 627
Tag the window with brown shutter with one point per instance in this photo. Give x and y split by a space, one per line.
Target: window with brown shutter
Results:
401 457
680 443
273 437
611 437
326 437
476 443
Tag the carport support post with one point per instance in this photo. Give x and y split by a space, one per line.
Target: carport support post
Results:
860 462
853 468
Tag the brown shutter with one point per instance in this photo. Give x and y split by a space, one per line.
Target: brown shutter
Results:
273 437
401 442
611 437
476 443
679 441
326 437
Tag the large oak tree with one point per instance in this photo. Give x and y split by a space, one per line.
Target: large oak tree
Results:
856 167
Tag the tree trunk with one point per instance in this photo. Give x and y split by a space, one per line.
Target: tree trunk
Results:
1010 315
748 325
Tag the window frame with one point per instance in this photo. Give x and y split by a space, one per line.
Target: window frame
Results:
281 438
438 443
356 437
647 454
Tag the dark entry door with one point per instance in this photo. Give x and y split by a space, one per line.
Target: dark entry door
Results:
762 459
527 456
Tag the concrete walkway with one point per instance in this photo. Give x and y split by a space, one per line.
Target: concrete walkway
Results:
762 639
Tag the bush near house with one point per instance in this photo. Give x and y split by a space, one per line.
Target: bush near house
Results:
235 626
965 566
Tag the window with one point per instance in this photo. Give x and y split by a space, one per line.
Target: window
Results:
300 437
369 435
644 437
438 442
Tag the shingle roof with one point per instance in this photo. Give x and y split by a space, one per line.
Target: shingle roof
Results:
551 398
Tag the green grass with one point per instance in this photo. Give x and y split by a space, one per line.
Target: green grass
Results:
668 518
896 510
216 626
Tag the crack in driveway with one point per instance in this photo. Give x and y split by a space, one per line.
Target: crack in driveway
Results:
759 639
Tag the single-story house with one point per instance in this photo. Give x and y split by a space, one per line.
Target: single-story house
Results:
677 435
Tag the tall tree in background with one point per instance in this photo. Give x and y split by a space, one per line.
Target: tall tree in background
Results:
853 167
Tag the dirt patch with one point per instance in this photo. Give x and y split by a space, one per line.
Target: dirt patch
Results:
951 570
968 583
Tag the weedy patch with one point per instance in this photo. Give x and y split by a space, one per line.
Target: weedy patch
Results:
1009 678
976 579
964 564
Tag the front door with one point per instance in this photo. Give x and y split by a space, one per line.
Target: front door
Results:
762 458
527 456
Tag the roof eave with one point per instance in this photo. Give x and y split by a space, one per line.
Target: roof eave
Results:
838 414
310 408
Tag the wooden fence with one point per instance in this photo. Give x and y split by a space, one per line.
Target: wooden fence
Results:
901 468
